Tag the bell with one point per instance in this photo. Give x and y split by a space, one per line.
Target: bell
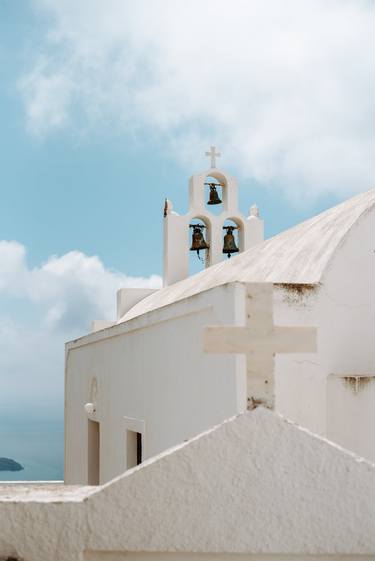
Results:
229 241
198 242
214 197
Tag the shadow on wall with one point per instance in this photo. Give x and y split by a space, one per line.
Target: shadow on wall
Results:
7 552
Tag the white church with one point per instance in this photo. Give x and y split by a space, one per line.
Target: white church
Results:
229 415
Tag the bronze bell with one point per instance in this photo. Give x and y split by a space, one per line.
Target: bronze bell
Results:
229 241
214 196
198 242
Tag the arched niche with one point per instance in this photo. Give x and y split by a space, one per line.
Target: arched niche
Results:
197 264
222 178
198 197
215 188
93 390
238 234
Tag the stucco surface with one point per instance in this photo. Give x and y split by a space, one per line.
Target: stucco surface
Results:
298 255
43 492
167 556
152 369
255 484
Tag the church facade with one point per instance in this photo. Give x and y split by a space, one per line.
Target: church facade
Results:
229 415
152 384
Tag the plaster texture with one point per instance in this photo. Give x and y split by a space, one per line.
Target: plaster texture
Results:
99 324
152 369
351 411
42 492
128 297
260 340
167 556
254 485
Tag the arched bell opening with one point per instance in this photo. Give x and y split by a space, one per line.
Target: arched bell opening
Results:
233 238
200 240
215 193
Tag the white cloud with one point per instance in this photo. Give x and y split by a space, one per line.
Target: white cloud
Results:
50 103
42 308
286 89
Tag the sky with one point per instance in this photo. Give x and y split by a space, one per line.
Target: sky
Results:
108 107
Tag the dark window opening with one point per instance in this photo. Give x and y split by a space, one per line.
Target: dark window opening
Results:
93 453
133 449
139 448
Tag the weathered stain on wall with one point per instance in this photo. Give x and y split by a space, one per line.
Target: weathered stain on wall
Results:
8 552
297 293
357 383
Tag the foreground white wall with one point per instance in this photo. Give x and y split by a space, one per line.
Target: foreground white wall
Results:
166 556
255 485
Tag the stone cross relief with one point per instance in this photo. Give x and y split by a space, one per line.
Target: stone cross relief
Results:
259 340
213 155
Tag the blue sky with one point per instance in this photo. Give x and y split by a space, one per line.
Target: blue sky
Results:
108 107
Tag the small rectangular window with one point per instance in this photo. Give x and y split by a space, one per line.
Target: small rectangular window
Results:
133 448
93 453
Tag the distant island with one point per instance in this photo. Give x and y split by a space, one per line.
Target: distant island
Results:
6 464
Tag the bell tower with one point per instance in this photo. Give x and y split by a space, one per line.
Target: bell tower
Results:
204 232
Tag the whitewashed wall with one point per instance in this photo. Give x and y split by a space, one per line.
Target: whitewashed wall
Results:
167 556
309 390
152 369
300 379
351 412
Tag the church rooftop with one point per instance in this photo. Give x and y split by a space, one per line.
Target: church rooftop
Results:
299 255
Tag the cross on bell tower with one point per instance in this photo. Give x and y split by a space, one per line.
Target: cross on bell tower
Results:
177 227
213 155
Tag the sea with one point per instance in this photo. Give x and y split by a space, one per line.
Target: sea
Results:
36 442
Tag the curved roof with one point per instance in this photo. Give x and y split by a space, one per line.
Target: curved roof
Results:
298 255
